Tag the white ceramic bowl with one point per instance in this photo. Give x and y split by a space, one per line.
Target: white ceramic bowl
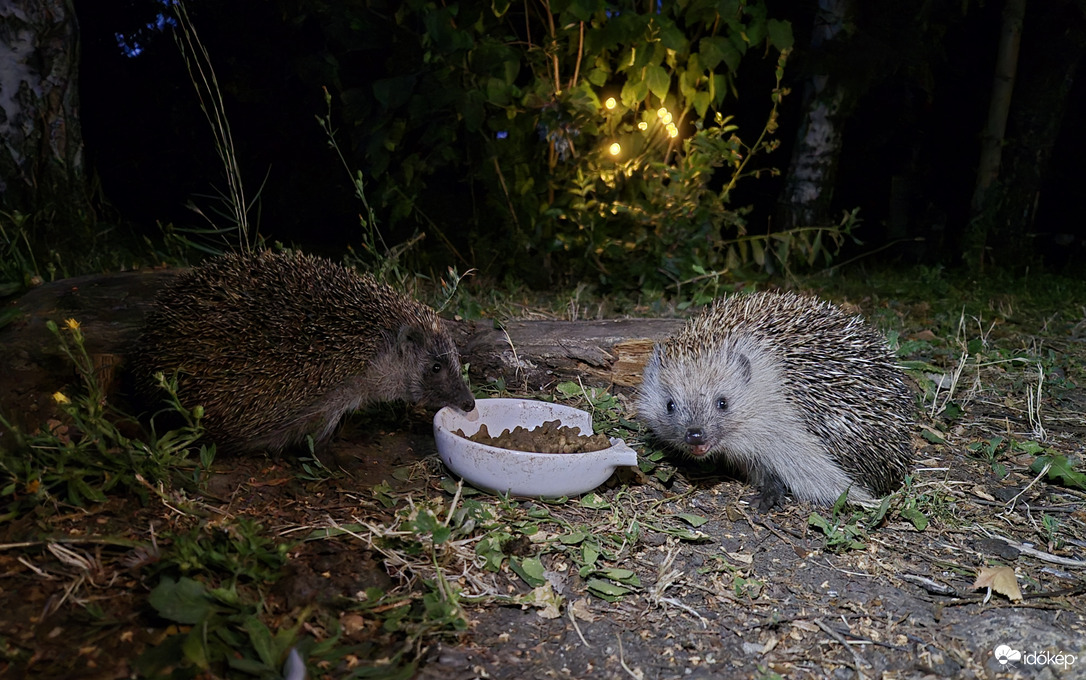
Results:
521 473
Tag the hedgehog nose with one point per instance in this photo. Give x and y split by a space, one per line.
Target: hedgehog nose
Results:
694 436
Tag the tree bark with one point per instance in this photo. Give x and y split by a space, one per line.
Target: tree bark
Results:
808 189
991 149
41 154
1053 49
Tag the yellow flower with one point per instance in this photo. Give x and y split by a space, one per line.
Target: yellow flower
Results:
72 324
60 398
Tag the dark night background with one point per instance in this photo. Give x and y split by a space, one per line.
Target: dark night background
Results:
151 149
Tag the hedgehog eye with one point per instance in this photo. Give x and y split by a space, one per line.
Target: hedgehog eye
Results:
670 406
436 368
721 404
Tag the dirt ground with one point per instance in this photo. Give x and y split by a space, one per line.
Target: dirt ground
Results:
757 596
741 595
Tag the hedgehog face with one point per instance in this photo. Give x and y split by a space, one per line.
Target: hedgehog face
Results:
697 403
432 366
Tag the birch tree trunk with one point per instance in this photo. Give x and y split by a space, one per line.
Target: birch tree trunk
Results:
41 145
808 190
991 150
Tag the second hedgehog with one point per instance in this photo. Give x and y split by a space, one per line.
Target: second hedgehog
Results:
801 397
279 346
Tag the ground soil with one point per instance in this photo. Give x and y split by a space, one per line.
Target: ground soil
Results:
758 594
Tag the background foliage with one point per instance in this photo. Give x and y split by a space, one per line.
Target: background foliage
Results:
506 102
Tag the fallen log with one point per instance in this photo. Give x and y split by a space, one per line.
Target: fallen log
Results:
527 355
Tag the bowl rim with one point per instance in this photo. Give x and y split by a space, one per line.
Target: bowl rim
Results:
505 402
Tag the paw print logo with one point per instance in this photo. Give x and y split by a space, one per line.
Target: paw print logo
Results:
1005 654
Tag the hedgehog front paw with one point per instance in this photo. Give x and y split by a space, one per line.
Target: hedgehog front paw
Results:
772 493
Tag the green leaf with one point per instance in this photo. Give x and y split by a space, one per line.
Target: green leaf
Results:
693 520
672 38
1030 447
530 569
589 554
489 548
711 51
657 80
931 436
185 601
441 534
633 93
701 101
570 388
581 10
261 639
1061 471
918 519
393 93
381 493
250 666
497 91
731 260
780 34
758 250
819 522
195 648
573 538
597 77
625 576
594 501
473 110
606 590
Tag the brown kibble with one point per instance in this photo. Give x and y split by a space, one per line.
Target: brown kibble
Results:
550 437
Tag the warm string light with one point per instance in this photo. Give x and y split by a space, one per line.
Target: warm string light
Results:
662 114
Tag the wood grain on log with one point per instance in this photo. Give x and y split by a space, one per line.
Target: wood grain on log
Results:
533 355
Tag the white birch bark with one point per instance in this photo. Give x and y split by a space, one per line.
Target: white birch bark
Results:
809 185
41 147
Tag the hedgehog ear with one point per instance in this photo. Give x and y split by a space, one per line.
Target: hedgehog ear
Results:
409 335
742 366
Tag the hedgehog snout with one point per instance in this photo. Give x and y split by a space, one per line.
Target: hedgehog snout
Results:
696 440
468 404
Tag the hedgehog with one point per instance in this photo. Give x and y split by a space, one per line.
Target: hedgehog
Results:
279 346
799 396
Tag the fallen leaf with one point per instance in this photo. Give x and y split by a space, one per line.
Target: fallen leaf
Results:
1000 579
545 600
